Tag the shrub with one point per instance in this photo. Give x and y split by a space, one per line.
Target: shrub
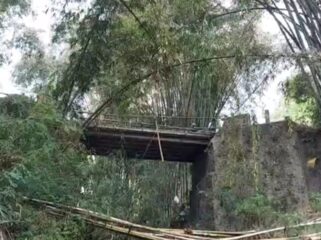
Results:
257 210
315 201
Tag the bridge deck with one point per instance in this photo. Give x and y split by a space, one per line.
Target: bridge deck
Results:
179 146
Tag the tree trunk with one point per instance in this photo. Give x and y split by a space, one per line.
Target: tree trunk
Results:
3 235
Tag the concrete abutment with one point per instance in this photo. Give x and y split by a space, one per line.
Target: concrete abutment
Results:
243 160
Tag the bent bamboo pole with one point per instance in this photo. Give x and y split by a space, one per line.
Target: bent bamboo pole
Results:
151 233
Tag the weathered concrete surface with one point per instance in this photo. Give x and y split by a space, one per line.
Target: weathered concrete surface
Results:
244 159
311 145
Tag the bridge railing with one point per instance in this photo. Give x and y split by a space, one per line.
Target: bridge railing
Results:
151 122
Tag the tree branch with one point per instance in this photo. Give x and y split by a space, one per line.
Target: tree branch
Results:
138 21
248 10
77 68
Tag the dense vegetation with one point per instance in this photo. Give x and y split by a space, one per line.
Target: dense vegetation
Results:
165 58
303 107
41 157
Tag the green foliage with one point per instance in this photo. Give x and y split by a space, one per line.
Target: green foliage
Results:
41 157
242 169
307 112
112 44
20 4
298 89
257 210
303 107
260 211
228 200
10 10
251 211
38 158
288 219
177 58
140 191
315 202
109 188
39 225
15 106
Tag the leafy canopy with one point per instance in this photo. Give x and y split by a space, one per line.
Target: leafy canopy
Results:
156 57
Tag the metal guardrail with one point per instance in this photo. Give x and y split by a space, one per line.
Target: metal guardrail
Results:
149 122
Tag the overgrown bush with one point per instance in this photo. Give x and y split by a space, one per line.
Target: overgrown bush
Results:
315 201
34 161
140 191
37 225
257 210
16 106
41 157
261 211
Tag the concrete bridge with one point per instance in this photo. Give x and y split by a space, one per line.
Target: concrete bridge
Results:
274 156
169 139
163 138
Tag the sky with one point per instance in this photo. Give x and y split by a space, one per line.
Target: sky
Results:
40 21
271 99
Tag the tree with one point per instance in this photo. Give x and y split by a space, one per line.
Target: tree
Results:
300 23
300 101
168 58
33 154
20 5
130 53
9 11
41 157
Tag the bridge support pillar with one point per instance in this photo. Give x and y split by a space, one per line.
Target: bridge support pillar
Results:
199 172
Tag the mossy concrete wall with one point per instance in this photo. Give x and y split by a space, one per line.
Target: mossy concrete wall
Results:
244 159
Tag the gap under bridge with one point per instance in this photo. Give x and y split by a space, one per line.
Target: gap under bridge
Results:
175 139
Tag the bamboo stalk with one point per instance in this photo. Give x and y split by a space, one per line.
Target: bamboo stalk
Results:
134 230
120 226
254 234
313 236
108 226
126 231
208 232
159 142
151 233
92 216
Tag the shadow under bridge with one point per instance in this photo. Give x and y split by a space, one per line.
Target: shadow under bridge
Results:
147 137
